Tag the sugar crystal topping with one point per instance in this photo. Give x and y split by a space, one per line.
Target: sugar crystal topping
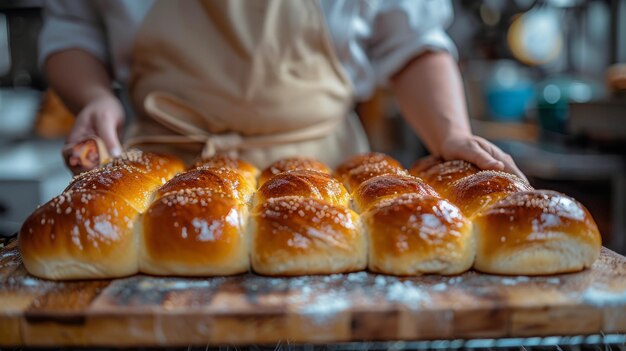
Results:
548 202
192 196
296 163
294 206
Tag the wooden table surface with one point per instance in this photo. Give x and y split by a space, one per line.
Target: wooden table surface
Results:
153 311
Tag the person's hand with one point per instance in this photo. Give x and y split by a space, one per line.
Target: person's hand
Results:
480 152
102 117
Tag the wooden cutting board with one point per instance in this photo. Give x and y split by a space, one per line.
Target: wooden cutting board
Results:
152 311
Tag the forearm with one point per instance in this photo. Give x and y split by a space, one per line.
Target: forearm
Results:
78 77
430 94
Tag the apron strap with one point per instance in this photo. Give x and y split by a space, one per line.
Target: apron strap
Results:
176 115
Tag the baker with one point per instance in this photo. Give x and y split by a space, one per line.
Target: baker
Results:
262 80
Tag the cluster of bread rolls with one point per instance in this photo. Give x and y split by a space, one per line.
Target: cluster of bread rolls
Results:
518 230
146 213
410 229
87 231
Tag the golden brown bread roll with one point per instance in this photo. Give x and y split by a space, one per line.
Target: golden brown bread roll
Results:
424 163
311 184
297 236
536 232
386 186
224 180
80 235
86 232
159 166
194 232
292 164
360 168
246 169
440 176
477 191
418 234
124 181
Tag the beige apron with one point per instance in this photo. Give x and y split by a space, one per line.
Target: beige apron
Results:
258 79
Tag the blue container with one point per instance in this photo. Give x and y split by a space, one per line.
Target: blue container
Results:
509 103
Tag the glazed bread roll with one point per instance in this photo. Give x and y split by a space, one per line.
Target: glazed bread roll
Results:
441 175
424 163
246 169
159 166
301 223
80 235
127 182
87 232
360 168
221 180
296 236
418 234
194 232
292 164
311 184
535 232
477 191
195 226
388 186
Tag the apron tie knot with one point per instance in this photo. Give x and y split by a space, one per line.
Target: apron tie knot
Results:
222 143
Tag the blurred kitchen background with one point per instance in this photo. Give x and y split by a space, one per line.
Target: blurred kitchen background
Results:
544 79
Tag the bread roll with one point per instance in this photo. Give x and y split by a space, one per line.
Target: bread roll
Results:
246 169
477 191
386 186
124 181
292 164
418 234
297 236
360 168
80 235
159 166
194 232
221 180
311 184
424 164
442 175
536 232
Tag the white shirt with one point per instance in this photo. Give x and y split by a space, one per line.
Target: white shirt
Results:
373 38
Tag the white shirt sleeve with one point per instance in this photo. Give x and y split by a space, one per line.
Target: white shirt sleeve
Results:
72 24
403 29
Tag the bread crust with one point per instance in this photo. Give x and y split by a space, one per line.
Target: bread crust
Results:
441 175
357 169
292 164
194 232
80 235
226 180
305 183
296 235
416 234
387 186
536 232
249 171
478 191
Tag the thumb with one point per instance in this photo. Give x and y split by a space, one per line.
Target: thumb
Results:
106 129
